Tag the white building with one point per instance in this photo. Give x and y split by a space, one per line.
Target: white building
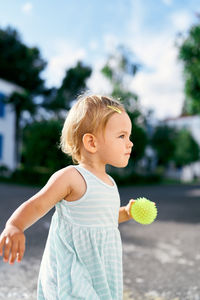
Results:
192 124
7 125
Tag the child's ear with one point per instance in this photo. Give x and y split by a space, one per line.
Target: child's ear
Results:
89 142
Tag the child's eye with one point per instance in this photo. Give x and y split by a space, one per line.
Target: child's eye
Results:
122 136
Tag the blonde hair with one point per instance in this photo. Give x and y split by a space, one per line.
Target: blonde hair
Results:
88 115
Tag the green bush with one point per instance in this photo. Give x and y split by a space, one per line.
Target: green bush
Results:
30 176
41 146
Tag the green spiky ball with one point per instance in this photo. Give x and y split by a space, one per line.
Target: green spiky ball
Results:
143 211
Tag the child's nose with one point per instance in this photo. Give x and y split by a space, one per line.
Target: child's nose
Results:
130 145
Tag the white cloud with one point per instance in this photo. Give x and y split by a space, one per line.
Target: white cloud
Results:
160 86
66 55
110 42
181 20
27 8
98 84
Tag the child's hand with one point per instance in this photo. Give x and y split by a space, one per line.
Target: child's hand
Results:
12 243
128 207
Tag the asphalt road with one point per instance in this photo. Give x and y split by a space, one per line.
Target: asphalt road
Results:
161 261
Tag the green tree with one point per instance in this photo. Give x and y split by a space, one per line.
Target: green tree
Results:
139 139
189 54
72 85
174 145
21 65
119 70
186 149
163 141
41 146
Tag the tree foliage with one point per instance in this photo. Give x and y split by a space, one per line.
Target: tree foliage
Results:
119 70
186 149
41 146
19 63
163 141
189 54
174 145
72 85
139 139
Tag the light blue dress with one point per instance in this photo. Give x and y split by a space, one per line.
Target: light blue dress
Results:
83 254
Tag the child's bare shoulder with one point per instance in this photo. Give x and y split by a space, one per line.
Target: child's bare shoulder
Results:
70 173
75 182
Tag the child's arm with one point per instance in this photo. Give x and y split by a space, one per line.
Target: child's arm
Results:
12 239
124 212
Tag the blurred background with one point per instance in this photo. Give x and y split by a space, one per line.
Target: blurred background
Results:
146 54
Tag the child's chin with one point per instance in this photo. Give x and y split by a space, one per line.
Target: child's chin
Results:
120 165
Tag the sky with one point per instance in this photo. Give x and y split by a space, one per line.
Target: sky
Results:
66 31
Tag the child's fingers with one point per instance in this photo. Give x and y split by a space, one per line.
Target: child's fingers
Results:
131 202
21 250
129 206
7 247
2 242
13 252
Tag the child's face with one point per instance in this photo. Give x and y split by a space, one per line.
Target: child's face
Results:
114 146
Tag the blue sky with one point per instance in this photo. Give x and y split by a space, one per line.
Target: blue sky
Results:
66 31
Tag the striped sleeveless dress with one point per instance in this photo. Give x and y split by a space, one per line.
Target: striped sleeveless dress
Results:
83 253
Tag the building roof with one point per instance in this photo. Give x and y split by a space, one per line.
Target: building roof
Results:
8 88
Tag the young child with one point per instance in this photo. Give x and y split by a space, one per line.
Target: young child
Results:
83 255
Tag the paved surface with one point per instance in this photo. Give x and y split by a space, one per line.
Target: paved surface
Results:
161 260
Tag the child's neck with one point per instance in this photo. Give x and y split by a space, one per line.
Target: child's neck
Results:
93 167
98 172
